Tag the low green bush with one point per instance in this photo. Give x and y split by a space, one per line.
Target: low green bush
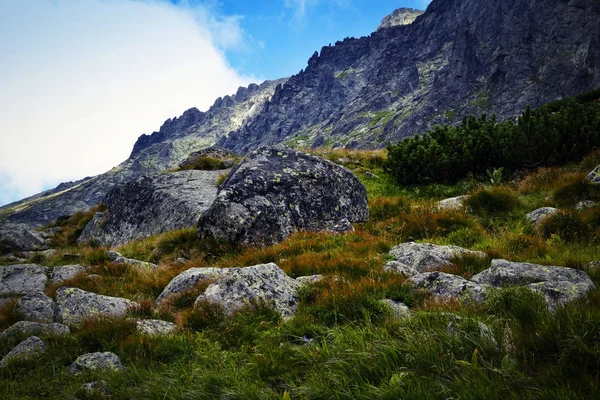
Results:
494 201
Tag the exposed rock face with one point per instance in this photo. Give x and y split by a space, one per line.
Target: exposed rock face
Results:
96 362
536 217
16 238
27 349
276 192
155 327
266 282
594 176
36 307
153 205
66 272
190 278
447 286
227 157
28 328
22 279
558 284
73 305
401 16
425 257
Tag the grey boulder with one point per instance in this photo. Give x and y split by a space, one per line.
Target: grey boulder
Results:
275 192
399 310
22 279
446 286
396 267
28 328
106 361
585 204
73 305
155 327
425 257
453 203
66 272
16 238
188 279
152 205
536 217
27 349
594 175
36 307
265 282
120 259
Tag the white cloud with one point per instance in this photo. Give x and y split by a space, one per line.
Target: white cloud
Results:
81 80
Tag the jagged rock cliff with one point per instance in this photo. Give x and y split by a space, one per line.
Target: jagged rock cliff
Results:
401 16
457 58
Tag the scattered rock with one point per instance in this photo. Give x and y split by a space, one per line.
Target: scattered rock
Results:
27 349
266 282
97 362
152 205
592 267
309 280
226 157
28 328
276 192
119 259
594 175
398 309
425 257
22 279
188 279
537 216
447 286
485 332
66 272
74 305
37 253
453 203
558 284
36 307
396 267
16 238
582 205
342 226
371 175
155 327
101 388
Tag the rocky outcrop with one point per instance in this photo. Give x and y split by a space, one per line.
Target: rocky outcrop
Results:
536 217
594 176
266 282
22 279
446 286
424 257
28 328
27 349
16 238
73 305
188 279
36 308
153 205
276 192
106 361
400 17
226 157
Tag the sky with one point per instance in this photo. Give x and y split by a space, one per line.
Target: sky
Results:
81 80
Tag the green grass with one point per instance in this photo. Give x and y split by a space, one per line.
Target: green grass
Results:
343 343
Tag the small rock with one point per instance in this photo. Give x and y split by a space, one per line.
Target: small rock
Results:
73 305
134 263
398 309
342 226
22 279
425 257
27 349
485 331
188 279
309 280
35 328
592 267
453 203
66 272
96 387
396 267
97 362
594 176
371 175
582 205
36 308
266 282
537 216
155 327
447 286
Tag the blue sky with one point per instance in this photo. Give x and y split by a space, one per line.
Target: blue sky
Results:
83 79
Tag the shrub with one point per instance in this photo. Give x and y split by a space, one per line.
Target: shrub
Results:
488 202
72 227
577 190
206 163
568 225
465 237
383 208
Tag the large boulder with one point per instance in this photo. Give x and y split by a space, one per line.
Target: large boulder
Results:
36 307
266 282
188 279
152 205
276 192
559 285
73 305
22 279
27 349
16 238
28 328
424 257
446 286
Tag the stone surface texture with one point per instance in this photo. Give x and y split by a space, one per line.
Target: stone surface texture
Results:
425 257
36 307
536 217
73 305
96 362
22 279
188 279
28 328
27 349
66 272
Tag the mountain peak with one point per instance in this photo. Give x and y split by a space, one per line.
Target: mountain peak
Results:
401 16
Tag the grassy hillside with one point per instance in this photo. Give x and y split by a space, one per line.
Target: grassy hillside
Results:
343 343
